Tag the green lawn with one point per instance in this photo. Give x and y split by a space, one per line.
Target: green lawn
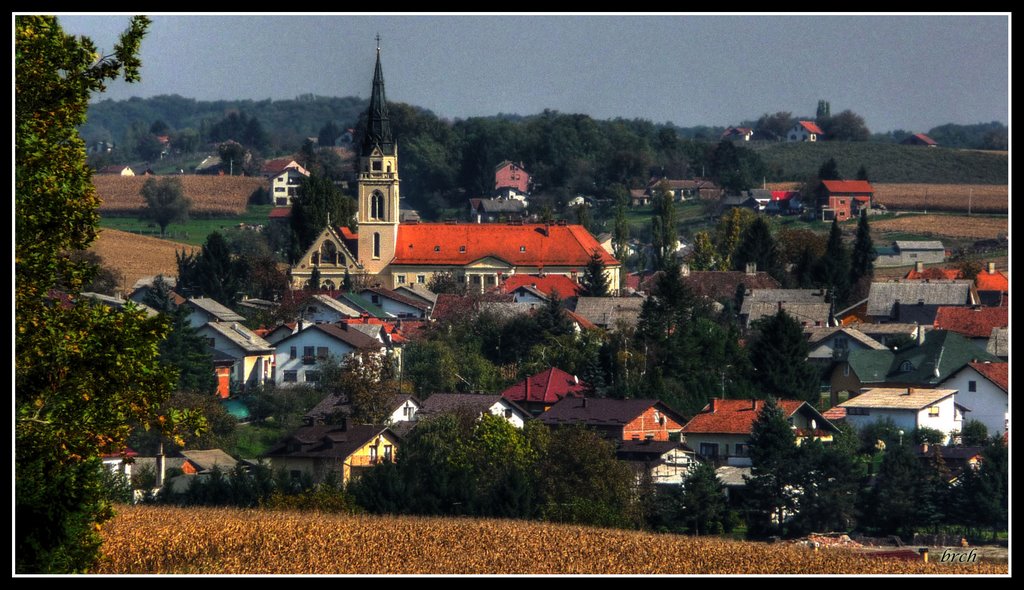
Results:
252 440
195 231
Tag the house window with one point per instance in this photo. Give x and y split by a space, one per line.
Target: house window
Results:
508 414
913 255
401 279
421 279
522 248
292 353
933 412
972 386
279 189
291 376
437 248
407 411
307 355
742 450
462 249
709 450
377 167
906 367
858 412
373 454
388 452
846 370
312 376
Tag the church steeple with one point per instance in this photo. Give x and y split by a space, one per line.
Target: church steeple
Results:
378 124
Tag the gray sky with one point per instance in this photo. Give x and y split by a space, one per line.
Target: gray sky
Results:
899 72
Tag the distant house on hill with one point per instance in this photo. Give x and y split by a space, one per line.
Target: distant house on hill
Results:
919 139
805 131
738 134
511 181
117 170
285 176
843 199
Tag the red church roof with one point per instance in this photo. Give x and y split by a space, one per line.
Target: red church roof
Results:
998 373
534 244
547 284
734 416
848 186
545 387
971 322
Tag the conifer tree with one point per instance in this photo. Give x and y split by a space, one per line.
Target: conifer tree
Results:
703 501
774 472
862 261
759 247
778 352
595 282
832 270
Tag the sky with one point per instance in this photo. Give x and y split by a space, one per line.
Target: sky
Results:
910 72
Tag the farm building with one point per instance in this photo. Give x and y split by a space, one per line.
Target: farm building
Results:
907 252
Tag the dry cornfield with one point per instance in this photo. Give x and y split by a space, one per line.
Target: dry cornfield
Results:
137 256
162 540
954 226
979 198
211 195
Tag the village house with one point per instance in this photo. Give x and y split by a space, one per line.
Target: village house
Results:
537 393
300 358
718 285
984 387
203 310
844 199
335 408
392 253
119 170
974 323
610 312
721 431
806 306
919 139
805 131
285 177
907 252
252 356
511 181
617 419
906 301
738 134
395 304
908 408
539 289
340 451
993 287
666 462
474 403
491 210
831 344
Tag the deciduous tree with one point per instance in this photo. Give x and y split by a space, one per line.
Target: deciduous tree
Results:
166 202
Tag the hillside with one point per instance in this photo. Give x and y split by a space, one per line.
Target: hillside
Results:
886 163
151 540
137 256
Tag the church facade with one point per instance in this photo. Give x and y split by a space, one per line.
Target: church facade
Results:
396 254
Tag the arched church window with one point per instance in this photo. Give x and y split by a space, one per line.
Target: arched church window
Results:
329 253
376 205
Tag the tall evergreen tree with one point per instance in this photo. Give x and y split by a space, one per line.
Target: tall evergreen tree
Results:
829 486
778 352
595 282
832 270
829 170
774 472
318 200
213 272
862 261
759 247
663 227
862 173
893 506
704 508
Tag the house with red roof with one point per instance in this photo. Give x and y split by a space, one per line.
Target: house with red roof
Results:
805 131
537 393
738 134
920 139
843 199
974 323
540 288
984 389
391 253
721 431
616 419
993 286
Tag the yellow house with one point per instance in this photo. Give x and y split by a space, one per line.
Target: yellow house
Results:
339 451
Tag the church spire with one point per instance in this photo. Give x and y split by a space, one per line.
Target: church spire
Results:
378 124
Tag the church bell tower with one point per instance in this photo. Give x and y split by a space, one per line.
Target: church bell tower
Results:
378 182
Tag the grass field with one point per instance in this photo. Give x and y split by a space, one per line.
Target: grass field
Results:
194 231
162 540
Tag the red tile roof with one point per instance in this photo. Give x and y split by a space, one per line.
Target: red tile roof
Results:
836 413
784 195
812 127
278 165
935 274
925 139
733 416
565 286
971 322
998 373
280 212
545 387
520 245
347 234
996 281
583 322
848 186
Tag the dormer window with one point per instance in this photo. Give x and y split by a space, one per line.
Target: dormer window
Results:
906 367
522 248
437 248
462 249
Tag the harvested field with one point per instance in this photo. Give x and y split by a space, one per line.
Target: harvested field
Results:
137 256
210 195
152 540
954 226
981 198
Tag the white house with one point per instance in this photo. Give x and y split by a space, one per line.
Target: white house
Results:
301 356
285 185
495 404
805 131
667 462
323 309
253 356
984 388
908 408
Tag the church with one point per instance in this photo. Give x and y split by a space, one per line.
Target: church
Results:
396 254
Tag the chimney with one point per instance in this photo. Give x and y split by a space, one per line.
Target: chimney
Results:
753 405
751 268
991 268
527 398
714 405
919 267
161 465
